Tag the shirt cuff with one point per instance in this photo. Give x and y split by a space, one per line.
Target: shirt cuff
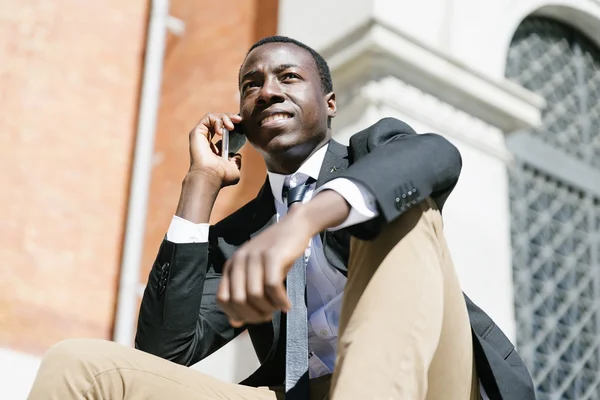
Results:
363 206
184 231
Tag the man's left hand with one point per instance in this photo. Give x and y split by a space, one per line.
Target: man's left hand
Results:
252 286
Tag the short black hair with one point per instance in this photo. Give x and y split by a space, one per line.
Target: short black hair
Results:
321 64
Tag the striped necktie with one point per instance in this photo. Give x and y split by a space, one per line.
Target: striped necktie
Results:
296 345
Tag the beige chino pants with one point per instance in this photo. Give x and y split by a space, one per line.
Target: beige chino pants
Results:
404 334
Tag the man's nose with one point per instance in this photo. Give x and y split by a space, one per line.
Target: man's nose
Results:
270 92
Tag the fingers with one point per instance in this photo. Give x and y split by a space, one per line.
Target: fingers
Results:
213 124
210 126
243 293
274 288
255 285
224 296
239 303
230 119
233 297
223 121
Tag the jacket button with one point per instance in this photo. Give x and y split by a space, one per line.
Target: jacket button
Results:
399 203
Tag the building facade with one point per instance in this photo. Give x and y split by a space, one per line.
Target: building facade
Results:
514 85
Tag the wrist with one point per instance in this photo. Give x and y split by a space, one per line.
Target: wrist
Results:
206 179
326 210
199 192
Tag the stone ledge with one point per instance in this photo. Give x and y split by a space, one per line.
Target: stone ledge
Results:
374 51
374 97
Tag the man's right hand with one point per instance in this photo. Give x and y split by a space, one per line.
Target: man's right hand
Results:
205 155
209 172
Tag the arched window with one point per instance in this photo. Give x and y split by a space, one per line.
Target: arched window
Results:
555 208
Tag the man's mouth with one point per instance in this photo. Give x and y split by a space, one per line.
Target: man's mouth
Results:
274 117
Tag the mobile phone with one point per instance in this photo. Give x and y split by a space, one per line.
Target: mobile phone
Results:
232 141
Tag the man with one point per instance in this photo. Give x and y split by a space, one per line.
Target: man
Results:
386 316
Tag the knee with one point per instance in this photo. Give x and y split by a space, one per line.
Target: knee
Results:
72 352
68 367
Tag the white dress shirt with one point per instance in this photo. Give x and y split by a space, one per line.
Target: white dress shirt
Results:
324 283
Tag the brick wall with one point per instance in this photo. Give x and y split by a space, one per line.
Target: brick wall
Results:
200 76
69 83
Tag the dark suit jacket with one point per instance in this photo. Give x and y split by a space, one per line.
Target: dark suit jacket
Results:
180 321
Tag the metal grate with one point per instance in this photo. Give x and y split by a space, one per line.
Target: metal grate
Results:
563 66
555 220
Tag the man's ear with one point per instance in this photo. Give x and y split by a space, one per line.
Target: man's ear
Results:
331 106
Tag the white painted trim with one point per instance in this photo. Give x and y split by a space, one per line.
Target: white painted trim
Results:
555 162
441 116
127 300
409 100
375 50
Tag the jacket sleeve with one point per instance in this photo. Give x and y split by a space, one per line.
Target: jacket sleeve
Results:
179 319
400 168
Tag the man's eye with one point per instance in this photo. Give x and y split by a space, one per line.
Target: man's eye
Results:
291 75
250 85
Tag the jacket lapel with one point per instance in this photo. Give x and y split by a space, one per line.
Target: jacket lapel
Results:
335 161
336 245
264 214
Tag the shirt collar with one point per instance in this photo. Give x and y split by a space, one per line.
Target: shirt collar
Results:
310 168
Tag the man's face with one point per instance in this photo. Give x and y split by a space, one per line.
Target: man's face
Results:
282 103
